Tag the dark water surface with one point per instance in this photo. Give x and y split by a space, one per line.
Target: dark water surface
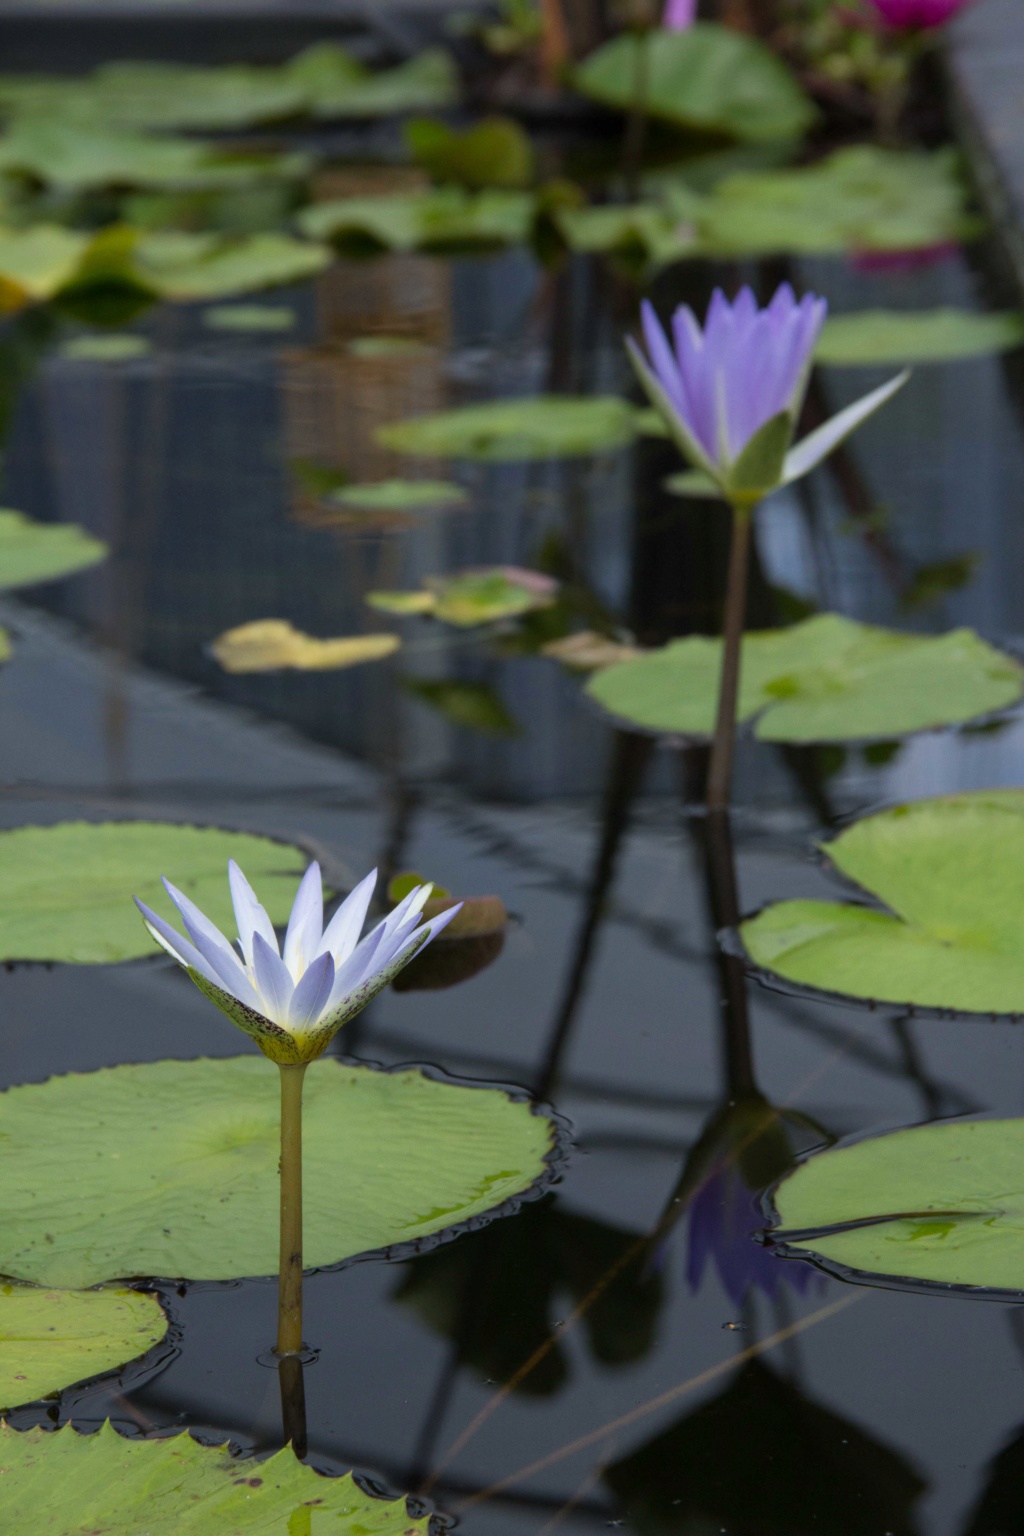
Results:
888 1411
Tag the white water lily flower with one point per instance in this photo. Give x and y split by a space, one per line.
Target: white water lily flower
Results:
293 1003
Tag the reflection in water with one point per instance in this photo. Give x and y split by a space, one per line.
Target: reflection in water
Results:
291 1374
763 1459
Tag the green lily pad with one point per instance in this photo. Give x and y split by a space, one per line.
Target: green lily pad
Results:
51 1339
862 198
400 495
336 85
435 219
170 1168
825 679
116 347
924 336
66 890
473 597
183 266
708 78
938 1202
32 552
503 431
494 152
949 872
73 156
37 261
61 1483
249 317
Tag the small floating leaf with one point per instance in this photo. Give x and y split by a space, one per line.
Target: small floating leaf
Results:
36 262
875 336
587 651
249 317
404 884
400 495
51 1339
937 1202
825 679
32 552
170 1169
118 347
503 431
435 219
183 266
474 597
268 645
62 1481
405 603
951 874
707 77
66 890
494 152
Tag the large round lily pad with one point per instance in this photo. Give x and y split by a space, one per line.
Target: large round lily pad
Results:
62 1483
951 874
170 1169
51 1339
891 336
937 1202
503 431
66 890
825 679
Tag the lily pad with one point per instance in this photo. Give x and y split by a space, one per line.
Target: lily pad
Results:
117 347
473 597
400 495
504 431
876 336
825 679
51 1339
474 706
32 552
336 85
73 156
951 876
36 262
938 1202
494 152
860 199
170 1168
268 645
441 218
61 1483
183 266
66 890
708 77
249 317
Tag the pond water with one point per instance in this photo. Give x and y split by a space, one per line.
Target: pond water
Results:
662 1405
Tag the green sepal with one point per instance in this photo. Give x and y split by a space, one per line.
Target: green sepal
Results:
273 1041
759 468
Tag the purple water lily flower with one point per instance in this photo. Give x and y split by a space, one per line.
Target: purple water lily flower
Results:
293 1002
731 393
679 15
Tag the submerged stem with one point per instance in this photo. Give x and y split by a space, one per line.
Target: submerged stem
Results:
720 767
289 1296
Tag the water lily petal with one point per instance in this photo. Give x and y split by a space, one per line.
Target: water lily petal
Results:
178 948
306 923
342 932
273 980
249 914
212 944
312 993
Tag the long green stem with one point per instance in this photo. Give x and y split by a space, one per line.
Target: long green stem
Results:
289 1295
720 767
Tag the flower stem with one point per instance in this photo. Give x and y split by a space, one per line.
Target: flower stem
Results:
289 1296
720 767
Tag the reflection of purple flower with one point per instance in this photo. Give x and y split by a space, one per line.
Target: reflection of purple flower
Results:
679 15
909 259
723 1219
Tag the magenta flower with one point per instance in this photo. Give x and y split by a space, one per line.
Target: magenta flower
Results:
731 394
918 15
679 15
